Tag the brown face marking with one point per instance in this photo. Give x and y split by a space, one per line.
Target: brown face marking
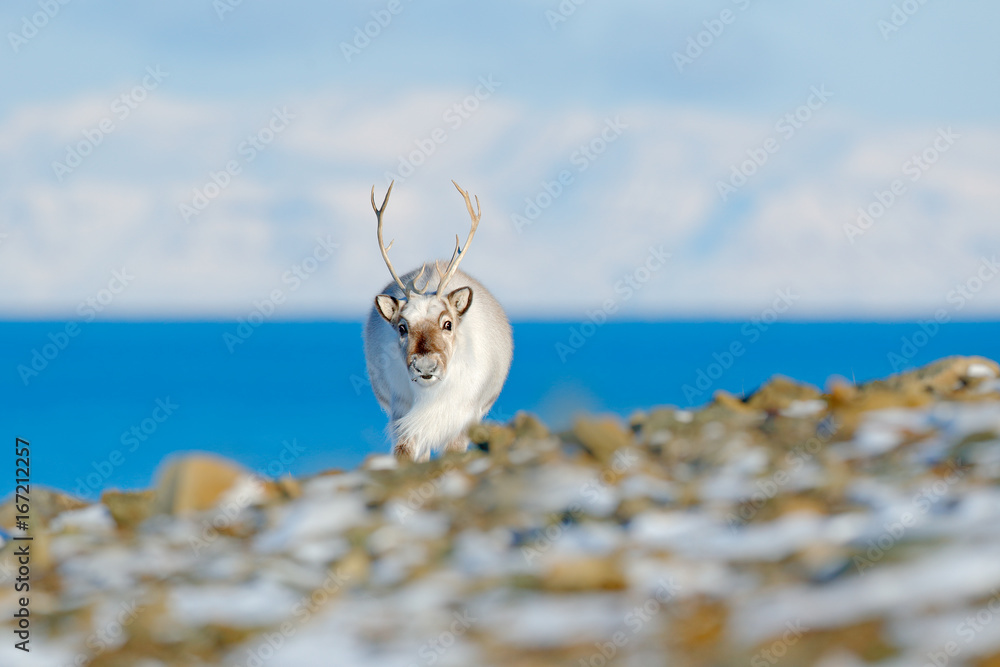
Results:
427 338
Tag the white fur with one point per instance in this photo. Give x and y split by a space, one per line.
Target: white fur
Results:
434 416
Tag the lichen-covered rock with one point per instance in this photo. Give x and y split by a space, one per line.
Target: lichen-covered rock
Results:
779 392
45 504
129 509
199 483
602 437
583 574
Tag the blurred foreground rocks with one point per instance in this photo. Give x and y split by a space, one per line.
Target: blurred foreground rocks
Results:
856 525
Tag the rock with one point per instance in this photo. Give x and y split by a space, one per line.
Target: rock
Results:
573 575
698 625
840 393
601 437
494 438
288 487
198 483
992 660
528 426
868 640
751 532
353 569
952 378
779 392
637 420
725 399
45 504
948 378
380 462
128 508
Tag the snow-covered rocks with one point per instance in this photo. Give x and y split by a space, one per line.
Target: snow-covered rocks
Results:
860 526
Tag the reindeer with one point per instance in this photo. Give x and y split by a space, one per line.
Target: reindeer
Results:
437 359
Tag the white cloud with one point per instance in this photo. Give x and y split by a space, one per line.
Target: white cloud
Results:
656 184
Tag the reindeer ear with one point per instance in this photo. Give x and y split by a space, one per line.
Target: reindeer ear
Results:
387 306
461 299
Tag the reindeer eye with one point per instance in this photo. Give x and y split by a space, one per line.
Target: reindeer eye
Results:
402 329
447 325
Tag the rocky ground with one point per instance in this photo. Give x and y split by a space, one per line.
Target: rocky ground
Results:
860 526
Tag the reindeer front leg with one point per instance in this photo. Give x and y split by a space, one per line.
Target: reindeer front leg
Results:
404 447
403 450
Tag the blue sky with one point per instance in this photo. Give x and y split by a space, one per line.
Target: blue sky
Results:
558 85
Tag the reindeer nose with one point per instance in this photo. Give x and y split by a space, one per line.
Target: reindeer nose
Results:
424 365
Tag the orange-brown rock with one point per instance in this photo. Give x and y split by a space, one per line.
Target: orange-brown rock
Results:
601 436
128 508
726 400
45 504
779 392
583 574
198 483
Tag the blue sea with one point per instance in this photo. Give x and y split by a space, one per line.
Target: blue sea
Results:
105 407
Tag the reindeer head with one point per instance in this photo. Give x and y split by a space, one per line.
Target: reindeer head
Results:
426 323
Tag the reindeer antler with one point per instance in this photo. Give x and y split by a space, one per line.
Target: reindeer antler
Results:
459 254
412 286
381 246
